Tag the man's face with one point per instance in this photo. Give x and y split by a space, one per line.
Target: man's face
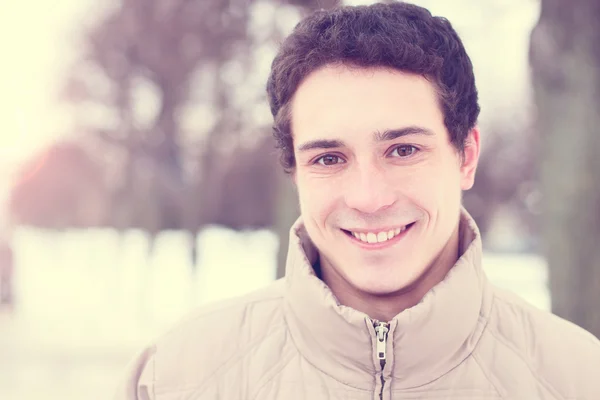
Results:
379 182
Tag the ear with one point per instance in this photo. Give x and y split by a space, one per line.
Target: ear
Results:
470 159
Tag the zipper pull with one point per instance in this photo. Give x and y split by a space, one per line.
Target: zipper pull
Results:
382 329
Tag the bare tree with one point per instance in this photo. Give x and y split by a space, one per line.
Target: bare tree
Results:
164 45
565 61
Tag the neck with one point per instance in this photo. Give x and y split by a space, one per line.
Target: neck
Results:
385 307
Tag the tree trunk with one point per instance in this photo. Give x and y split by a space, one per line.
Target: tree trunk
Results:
169 184
565 61
287 214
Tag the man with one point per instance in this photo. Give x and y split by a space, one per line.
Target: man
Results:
384 297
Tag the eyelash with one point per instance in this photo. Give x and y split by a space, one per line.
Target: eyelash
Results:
317 161
415 150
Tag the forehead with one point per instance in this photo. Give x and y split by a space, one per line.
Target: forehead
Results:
337 99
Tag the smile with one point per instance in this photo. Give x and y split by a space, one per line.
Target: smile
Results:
378 237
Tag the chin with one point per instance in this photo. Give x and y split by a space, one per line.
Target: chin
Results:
383 284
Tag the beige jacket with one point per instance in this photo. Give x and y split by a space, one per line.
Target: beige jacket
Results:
465 340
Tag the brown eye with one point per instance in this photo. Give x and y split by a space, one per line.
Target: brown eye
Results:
329 160
404 151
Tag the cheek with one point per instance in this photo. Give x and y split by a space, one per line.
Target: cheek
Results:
317 198
417 182
431 186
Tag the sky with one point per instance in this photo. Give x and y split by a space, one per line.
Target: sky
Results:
38 42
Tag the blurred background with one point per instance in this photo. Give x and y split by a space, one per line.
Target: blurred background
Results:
139 180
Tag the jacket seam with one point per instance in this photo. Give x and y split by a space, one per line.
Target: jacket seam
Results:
515 304
445 393
278 371
534 373
485 322
313 365
200 314
477 346
199 388
487 376
230 362
496 335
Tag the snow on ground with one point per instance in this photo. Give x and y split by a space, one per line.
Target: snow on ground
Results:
88 300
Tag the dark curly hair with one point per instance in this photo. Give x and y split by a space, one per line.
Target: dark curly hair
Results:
396 35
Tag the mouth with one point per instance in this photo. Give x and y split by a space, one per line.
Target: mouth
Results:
378 239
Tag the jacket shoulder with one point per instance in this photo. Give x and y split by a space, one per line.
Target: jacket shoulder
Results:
209 342
561 355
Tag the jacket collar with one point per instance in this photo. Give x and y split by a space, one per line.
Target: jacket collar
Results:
424 342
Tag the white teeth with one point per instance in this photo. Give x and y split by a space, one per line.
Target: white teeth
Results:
372 237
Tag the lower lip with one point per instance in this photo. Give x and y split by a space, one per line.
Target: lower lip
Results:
379 245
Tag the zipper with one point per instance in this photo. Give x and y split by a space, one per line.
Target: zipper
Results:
381 329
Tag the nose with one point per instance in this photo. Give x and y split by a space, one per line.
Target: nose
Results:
368 190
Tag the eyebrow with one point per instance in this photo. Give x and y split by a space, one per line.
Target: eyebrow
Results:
320 144
392 134
387 135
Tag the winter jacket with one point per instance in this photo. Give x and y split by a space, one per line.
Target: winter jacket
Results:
292 340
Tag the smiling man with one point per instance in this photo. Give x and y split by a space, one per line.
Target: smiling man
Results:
379 183
375 113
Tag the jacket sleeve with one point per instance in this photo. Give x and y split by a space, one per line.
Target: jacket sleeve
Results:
138 380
